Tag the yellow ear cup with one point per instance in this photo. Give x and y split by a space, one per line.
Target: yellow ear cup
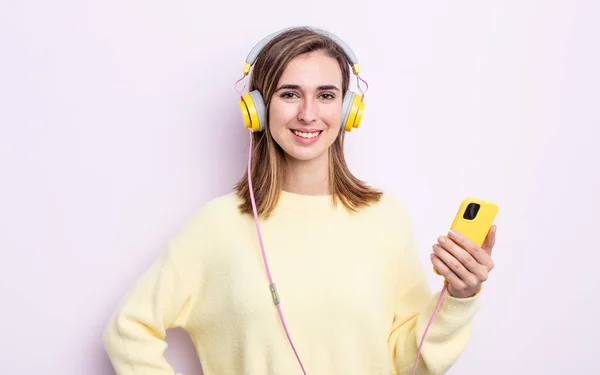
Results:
245 114
355 114
249 113
359 114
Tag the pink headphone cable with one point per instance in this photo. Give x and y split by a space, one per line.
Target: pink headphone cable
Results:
437 306
262 247
274 293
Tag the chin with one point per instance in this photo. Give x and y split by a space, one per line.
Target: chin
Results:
302 156
305 153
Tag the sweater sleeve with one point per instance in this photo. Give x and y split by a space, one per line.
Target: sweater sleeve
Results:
450 330
135 336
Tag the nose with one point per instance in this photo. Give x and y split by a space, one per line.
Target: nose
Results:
308 111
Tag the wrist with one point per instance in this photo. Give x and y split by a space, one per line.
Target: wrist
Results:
457 294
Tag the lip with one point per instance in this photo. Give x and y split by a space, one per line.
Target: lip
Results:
309 130
306 141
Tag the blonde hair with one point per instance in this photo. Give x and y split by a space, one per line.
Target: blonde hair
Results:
268 167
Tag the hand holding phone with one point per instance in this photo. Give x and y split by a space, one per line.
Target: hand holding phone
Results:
464 256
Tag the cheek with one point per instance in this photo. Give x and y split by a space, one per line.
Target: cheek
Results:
281 114
332 115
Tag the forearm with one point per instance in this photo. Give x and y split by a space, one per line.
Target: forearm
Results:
134 348
446 338
134 337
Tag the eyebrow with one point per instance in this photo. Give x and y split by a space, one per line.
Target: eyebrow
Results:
297 87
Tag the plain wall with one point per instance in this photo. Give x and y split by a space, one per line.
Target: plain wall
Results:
119 119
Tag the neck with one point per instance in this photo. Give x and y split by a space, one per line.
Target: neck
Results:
308 177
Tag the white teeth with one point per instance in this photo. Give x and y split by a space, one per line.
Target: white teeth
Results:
306 135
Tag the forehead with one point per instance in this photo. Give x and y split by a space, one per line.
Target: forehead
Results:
312 69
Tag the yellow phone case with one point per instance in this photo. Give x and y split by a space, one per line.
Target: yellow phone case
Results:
475 229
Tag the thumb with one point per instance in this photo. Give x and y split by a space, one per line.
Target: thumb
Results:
490 240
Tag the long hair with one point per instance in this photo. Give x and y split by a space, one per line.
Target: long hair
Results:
268 167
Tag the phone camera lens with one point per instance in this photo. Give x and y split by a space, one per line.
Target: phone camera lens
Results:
471 211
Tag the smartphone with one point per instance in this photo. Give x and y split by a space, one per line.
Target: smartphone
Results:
474 219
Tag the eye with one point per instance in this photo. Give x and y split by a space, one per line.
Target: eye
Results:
288 95
328 96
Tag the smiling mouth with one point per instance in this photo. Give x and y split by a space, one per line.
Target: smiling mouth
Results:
307 135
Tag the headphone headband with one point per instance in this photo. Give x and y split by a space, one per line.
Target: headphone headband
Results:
251 58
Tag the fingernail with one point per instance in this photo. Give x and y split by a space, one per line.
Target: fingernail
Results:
441 239
452 233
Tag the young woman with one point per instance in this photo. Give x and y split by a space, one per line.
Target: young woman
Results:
303 268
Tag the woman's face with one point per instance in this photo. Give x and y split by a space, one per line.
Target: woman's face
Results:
306 108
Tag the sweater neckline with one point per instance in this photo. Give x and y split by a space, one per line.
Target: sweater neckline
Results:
304 202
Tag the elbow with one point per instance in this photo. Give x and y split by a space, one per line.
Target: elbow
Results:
110 335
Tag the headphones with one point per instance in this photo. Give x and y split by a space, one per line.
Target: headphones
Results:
252 104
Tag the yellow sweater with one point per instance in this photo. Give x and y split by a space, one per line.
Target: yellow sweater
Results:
352 289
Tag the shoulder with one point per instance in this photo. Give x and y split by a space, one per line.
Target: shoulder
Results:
197 244
391 215
209 221
223 206
391 206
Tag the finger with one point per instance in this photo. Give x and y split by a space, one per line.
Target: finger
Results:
455 265
490 240
466 243
463 256
446 272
